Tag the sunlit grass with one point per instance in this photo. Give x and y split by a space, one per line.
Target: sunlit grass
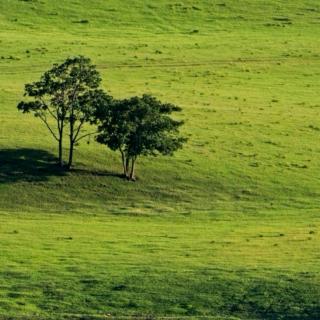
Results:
229 225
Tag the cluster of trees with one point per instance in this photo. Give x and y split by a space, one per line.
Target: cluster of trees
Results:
68 98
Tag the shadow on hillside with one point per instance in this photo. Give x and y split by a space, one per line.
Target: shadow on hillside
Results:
27 165
89 172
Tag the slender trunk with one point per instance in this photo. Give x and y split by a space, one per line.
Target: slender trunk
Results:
123 163
61 146
132 173
71 143
60 153
127 167
70 155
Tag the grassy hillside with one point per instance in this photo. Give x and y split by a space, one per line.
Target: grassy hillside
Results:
229 226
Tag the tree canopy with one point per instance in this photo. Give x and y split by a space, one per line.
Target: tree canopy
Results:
139 126
65 98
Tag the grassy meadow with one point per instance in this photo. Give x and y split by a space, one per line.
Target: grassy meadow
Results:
229 227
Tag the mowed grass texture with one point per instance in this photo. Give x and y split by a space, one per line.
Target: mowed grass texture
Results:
228 228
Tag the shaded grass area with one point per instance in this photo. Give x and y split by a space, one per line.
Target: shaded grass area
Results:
206 296
54 266
27 165
228 228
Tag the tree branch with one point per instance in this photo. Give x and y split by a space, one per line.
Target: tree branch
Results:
44 119
48 108
78 130
85 135
52 114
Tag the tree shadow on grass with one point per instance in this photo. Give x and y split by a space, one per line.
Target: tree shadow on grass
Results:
92 172
29 165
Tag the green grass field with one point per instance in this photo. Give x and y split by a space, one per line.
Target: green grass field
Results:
228 228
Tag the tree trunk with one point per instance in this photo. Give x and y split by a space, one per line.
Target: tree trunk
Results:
123 163
70 154
61 147
127 167
71 143
60 153
132 173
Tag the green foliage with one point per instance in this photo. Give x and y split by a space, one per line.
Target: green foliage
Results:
139 126
68 94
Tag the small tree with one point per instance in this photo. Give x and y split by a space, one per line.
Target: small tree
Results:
64 99
139 126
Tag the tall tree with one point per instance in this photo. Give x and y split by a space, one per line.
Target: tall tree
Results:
64 99
139 126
